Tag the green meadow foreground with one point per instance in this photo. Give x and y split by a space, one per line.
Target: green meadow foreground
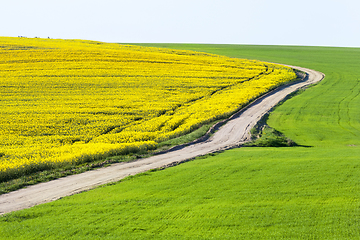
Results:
248 193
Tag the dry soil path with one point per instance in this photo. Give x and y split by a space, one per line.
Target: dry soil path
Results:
232 134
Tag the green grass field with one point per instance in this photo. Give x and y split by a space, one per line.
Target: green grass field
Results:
247 193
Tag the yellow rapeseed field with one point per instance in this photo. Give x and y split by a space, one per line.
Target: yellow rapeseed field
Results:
74 100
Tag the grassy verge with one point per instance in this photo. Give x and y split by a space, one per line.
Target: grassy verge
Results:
72 168
65 170
263 135
188 138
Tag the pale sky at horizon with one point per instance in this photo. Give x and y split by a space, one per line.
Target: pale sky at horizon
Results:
265 22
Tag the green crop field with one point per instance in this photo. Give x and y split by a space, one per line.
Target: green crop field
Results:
308 192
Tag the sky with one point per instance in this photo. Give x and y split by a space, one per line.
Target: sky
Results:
258 22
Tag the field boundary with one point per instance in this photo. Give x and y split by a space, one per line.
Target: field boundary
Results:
220 137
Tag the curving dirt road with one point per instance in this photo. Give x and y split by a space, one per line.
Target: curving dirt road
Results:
232 134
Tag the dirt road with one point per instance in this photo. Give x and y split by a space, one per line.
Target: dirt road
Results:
233 133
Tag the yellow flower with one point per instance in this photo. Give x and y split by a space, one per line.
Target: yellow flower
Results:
73 100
